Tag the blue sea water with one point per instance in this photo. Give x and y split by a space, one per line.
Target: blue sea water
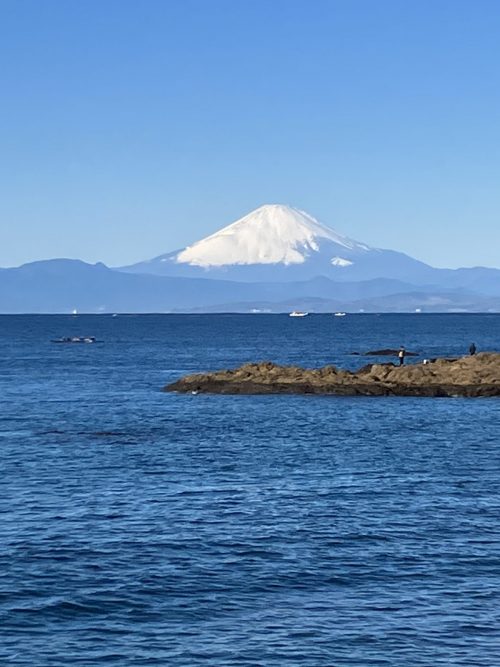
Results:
145 528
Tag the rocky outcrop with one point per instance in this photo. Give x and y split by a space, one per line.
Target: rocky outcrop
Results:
467 376
386 352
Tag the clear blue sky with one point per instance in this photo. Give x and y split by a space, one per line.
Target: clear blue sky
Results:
130 128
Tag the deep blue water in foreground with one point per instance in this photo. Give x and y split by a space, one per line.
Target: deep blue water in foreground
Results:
144 528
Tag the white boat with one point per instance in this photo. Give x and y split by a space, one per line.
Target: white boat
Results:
75 339
297 313
339 314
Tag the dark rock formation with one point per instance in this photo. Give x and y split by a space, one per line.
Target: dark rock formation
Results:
386 352
467 376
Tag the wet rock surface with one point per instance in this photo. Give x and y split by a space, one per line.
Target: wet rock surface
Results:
472 376
386 352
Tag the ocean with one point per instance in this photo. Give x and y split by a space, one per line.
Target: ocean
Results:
145 528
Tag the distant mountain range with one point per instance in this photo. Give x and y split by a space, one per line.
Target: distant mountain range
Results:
275 259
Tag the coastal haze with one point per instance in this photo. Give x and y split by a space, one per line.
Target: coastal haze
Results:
274 259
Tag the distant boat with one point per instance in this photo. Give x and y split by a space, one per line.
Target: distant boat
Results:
74 311
339 314
297 313
75 339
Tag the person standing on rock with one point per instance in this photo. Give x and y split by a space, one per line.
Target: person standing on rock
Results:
401 355
472 349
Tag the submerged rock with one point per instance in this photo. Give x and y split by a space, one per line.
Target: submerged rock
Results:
385 352
467 376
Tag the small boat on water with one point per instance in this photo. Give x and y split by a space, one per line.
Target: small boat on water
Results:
339 314
297 313
75 339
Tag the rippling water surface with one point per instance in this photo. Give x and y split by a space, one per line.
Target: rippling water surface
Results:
144 528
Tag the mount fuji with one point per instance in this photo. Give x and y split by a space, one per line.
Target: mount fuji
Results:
281 243
275 259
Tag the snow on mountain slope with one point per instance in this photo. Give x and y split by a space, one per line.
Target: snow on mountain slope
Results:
272 234
281 243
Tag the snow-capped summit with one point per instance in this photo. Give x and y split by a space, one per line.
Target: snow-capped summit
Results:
280 243
272 234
